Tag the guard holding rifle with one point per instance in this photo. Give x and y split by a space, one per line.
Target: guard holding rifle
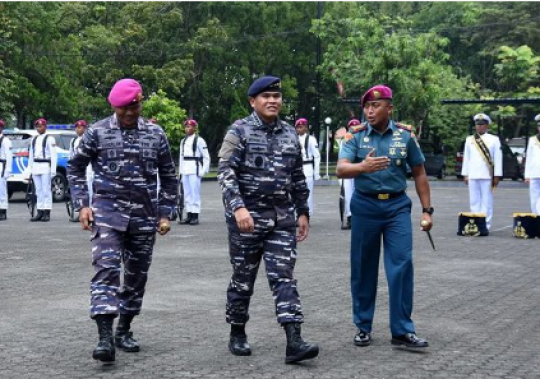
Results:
376 154
194 164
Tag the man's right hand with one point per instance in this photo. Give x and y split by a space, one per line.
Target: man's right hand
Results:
244 220
373 164
527 181
466 180
86 217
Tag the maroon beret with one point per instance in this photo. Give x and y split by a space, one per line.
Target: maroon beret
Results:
353 122
191 122
378 92
81 123
125 92
302 121
2 124
40 121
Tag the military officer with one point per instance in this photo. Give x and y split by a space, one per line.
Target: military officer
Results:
482 167
81 127
194 164
126 154
265 195
42 166
375 155
532 169
310 156
6 165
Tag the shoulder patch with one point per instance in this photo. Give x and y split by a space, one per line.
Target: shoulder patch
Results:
408 128
357 128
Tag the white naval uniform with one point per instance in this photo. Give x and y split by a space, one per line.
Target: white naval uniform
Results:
312 164
74 144
532 172
193 170
43 172
348 188
6 166
477 170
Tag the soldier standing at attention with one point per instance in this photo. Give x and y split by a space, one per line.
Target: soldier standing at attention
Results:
126 154
6 165
42 166
482 167
310 156
375 154
81 127
532 169
194 164
265 194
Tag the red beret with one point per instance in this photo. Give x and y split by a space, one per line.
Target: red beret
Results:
302 121
40 121
353 122
378 92
191 122
125 92
2 124
82 123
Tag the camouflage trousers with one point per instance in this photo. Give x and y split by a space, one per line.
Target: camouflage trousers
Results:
111 248
277 246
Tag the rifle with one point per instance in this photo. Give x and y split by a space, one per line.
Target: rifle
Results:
30 197
180 201
342 202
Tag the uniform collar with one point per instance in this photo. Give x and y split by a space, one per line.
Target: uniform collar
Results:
116 125
259 124
391 128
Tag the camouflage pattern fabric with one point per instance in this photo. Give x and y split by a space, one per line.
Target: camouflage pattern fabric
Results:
260 169
125 164
110 248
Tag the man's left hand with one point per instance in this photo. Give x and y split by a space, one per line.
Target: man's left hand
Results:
303 228
426 222
164 226
496 181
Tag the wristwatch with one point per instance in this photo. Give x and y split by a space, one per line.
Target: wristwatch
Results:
429 210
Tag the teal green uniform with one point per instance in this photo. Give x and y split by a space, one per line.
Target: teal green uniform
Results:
380 207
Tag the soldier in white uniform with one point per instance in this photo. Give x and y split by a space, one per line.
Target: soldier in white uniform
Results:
194 164
80 128
482 167
310 156
42 166
6 164
532 168
347 184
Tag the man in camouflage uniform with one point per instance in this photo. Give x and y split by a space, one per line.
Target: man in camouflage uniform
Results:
126 154
260 173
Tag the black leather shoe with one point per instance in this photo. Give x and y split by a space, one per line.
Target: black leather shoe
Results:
46 215
409 340
126 342
238 345
362 339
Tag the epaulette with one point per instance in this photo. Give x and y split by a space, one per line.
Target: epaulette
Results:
357 128
408 128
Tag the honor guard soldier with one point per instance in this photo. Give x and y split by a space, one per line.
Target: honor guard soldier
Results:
126 154
376 154
81 127
532 169
42 166
6 165
347 185
265 195
310 156
482 167
194 164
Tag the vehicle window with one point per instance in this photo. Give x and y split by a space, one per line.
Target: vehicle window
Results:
20 143
66 139
58 139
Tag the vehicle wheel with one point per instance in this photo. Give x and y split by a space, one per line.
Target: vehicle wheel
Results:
442 174
9 193
59 187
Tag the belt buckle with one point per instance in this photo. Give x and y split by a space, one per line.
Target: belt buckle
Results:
383 196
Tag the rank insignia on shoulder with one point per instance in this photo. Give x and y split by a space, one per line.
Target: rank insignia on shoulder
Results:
348 137
357 128
408 128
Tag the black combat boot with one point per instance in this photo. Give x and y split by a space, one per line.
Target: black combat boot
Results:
46 215
124 338
238 344
188 219
347 224
194 219
104 351
297 349
3 214
38 216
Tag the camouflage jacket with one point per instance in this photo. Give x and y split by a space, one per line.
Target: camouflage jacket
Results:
260 168
126 163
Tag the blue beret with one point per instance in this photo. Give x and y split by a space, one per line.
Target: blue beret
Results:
265 83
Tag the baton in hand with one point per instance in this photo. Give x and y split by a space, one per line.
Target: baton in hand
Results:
425 223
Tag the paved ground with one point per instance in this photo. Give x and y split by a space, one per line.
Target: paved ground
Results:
476 301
